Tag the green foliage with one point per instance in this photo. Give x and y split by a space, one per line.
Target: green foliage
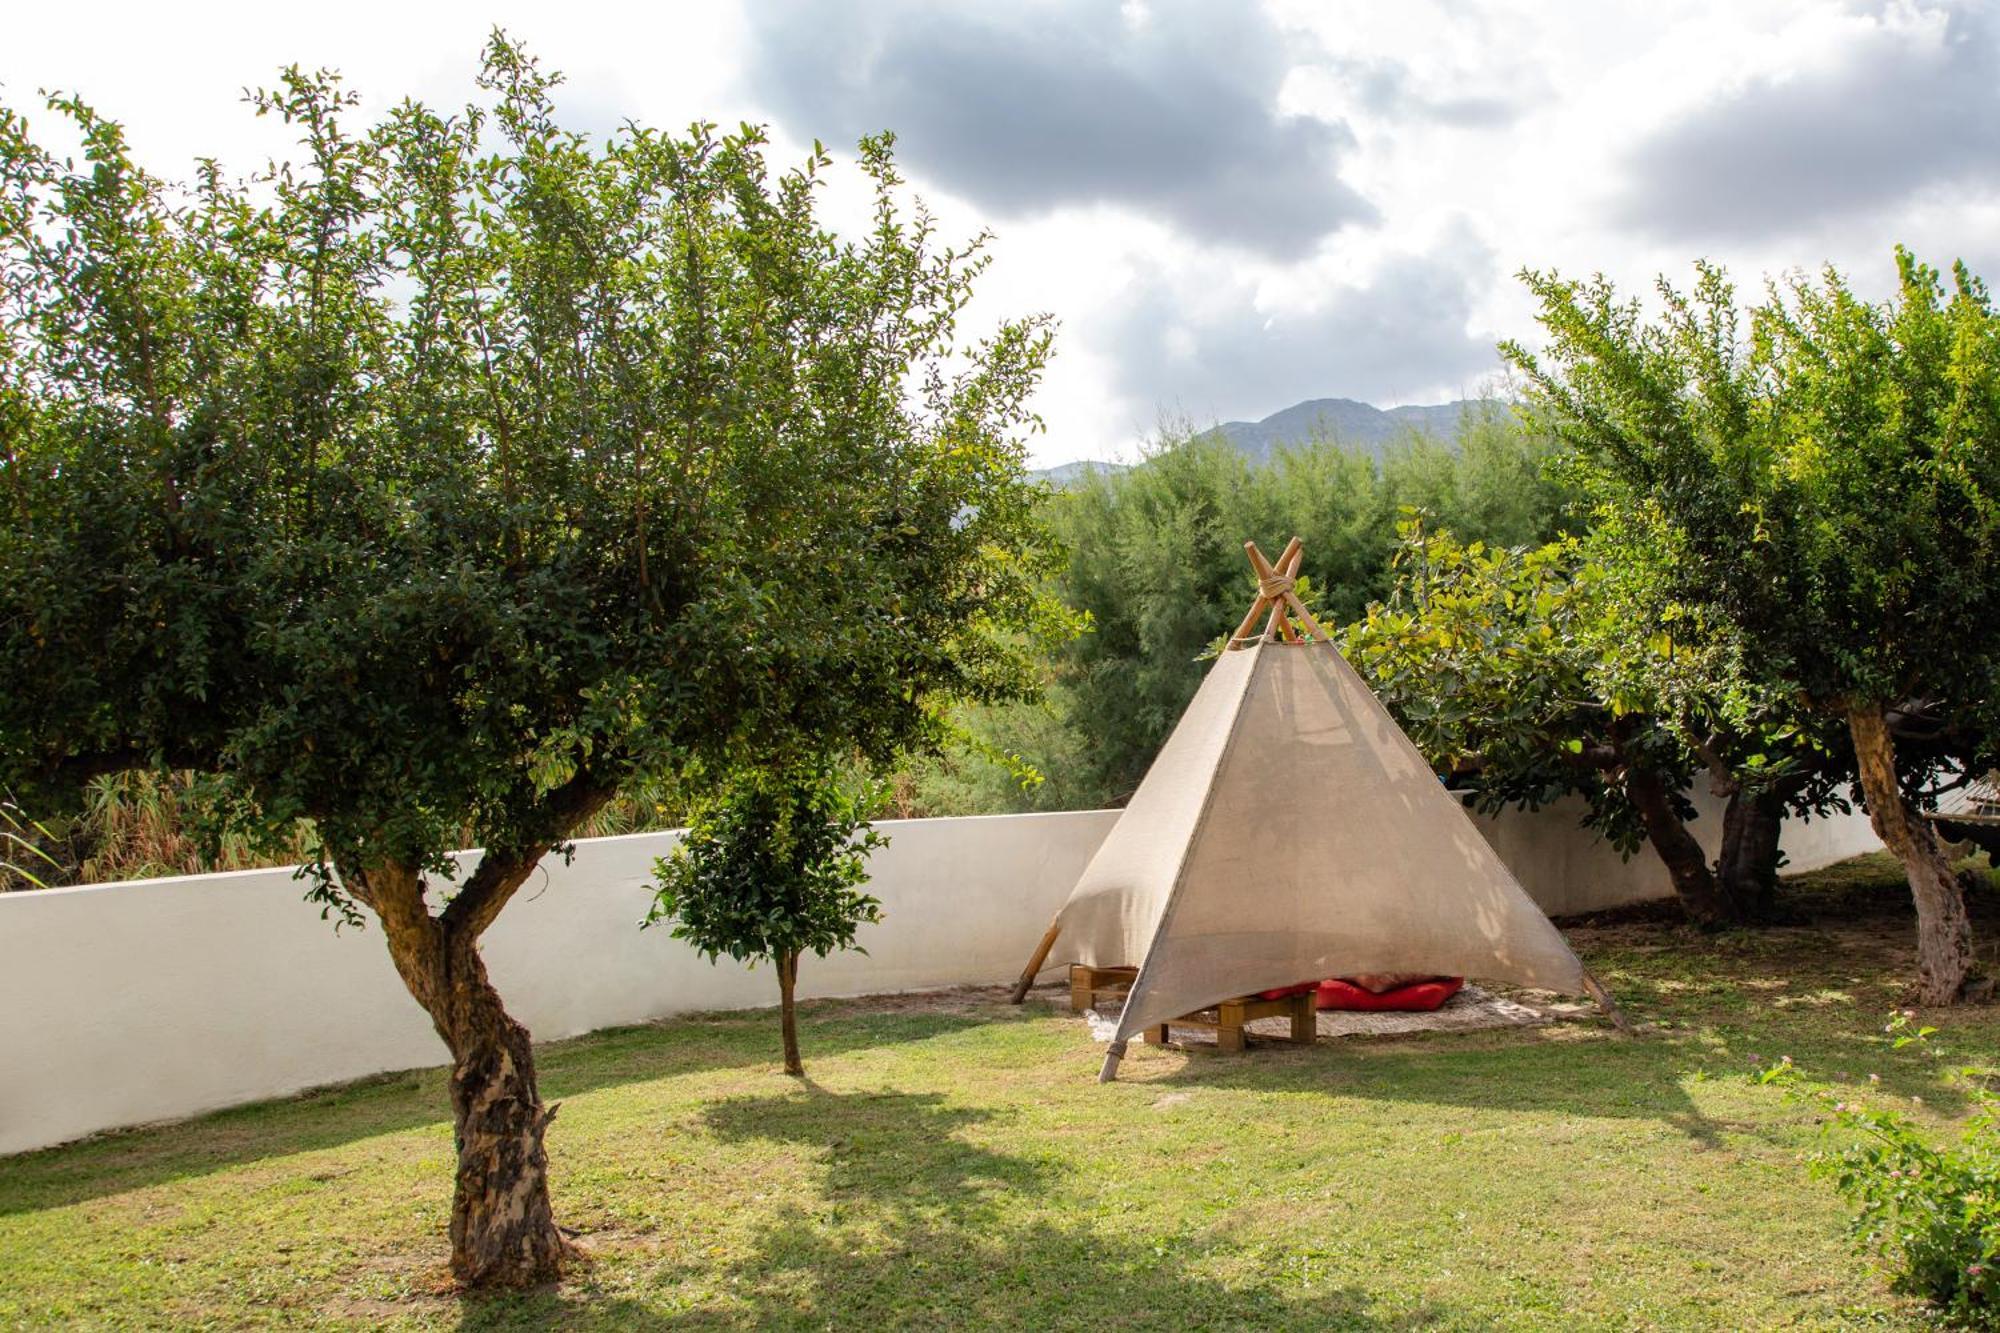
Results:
1825 488
440 486
139 824
1931 1214
1156 564
1495 661
772 866
1531 673
1006 757
469 470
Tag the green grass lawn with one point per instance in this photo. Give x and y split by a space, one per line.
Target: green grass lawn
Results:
951 1162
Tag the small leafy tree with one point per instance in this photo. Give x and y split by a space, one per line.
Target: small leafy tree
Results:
438 487
1827 489
772 868
1527 674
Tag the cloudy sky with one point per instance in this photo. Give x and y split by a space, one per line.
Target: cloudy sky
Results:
1229 207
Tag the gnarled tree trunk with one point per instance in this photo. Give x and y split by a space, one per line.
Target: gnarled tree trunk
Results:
1686 862
1746 871
1944 932
788 980
503 1229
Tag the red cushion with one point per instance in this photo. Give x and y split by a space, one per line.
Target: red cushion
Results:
1285 991
1337 994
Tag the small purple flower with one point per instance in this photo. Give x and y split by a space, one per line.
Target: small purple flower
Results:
1975 1269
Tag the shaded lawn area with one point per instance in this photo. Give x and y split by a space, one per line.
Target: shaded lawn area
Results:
951 1162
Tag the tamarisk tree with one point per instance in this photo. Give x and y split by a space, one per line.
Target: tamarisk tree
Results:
435 486
1825 485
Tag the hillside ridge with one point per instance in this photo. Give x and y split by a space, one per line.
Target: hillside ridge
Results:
1345 420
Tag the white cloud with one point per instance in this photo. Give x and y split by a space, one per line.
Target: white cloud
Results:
1209 343
1347 219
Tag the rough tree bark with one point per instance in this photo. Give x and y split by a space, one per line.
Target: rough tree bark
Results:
503 1229
788 978
1687 864
1944 932
1746 871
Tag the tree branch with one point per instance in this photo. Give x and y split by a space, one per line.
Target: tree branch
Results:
1720 780
502 870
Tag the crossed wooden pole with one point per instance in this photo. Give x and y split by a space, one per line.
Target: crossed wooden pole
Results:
1275 595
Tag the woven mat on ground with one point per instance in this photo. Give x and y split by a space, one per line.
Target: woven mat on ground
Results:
1468 1011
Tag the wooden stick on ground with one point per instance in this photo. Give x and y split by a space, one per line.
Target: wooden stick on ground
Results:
1606 1003
1035 963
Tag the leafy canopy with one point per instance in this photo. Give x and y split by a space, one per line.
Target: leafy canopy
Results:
1536 672
436 485
1505 667
772 866
1826 484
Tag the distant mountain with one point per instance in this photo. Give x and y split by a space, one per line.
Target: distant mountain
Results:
1346 422
1069 474
1342 420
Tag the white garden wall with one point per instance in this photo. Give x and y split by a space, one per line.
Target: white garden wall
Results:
124 1003
1569 871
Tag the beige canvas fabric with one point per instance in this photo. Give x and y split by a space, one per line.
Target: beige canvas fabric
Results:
1290 831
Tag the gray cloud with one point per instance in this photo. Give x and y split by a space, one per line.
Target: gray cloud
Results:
1900 113
1026 108
1401 332
1384 88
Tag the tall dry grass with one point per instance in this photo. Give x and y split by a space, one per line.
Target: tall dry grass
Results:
142 825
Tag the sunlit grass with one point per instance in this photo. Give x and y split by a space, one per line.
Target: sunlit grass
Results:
954 1164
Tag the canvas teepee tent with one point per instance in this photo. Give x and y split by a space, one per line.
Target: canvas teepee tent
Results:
1290 831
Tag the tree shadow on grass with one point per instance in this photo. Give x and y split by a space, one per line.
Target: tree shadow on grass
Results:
1570 1072
1636 1078
917 1225
391 1103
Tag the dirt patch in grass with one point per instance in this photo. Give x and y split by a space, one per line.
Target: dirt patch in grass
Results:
957 1000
